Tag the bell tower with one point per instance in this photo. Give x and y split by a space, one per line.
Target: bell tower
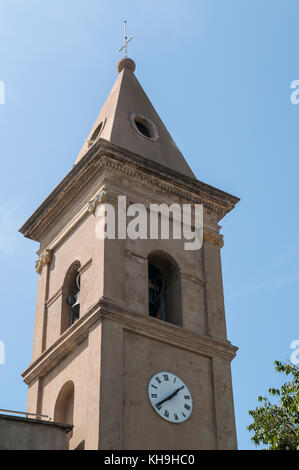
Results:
130 341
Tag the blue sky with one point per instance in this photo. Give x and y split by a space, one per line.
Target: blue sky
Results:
219 74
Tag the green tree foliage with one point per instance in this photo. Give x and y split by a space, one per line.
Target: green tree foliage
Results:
277 424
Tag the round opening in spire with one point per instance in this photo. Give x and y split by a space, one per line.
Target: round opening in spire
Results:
126 63
96 133
145 130
144 127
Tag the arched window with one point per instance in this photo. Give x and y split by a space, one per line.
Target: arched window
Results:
71 297
64 407
164 285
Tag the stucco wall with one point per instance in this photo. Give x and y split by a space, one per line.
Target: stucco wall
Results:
127 420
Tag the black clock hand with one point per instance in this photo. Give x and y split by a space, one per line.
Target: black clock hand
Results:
172 395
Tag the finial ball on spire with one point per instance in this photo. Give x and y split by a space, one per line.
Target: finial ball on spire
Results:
126 63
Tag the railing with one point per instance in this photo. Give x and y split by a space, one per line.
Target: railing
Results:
26 414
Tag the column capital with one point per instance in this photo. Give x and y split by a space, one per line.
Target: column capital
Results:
213 237
101 198
44 258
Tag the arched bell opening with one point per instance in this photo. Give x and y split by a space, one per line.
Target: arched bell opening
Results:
164 287
71 297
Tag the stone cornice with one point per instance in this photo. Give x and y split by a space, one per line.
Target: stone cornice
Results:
104 155
108 310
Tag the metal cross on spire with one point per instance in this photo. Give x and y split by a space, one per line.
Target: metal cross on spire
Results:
126 40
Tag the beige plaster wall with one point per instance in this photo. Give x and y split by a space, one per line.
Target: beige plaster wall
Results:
127 419
83 246
82 367
143 428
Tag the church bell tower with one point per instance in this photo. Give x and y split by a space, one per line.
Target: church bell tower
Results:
130 341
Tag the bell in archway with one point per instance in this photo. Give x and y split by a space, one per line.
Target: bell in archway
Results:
75 312
76 306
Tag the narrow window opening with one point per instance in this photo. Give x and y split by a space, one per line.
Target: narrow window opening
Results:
164 288
73 300
71 297
156 292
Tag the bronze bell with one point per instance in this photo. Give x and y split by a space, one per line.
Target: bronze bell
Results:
76 306
75 311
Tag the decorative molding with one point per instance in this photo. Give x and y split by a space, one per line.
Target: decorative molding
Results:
44 258
50 210
101 198
66 201
161 185
67 342
213 237
103 155
109 310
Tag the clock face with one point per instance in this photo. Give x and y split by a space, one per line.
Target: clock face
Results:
170 397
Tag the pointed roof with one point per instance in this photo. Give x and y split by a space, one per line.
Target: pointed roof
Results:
129 120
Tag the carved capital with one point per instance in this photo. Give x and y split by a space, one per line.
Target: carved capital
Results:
101 198
43 259
213 237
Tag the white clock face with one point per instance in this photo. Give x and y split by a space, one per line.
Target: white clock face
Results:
170 397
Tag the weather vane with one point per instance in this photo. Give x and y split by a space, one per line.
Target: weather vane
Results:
126 40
